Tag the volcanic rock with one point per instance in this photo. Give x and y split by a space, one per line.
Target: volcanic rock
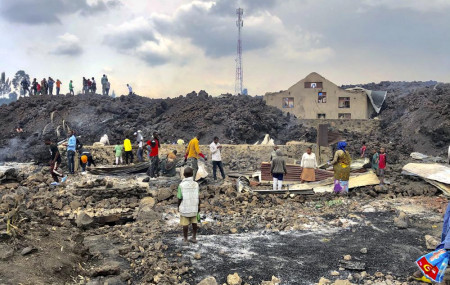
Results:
208 281
402 221
234 279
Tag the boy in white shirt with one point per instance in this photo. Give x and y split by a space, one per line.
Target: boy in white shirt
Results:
188 204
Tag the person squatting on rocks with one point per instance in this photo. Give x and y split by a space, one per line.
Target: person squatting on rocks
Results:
341 166
381 165
188 204
51 82
86 159
71 147
168 165
140 142
216 157
55 161
71 87
153 148
309 166
193 153
58 86
25 86
278 170
128 149
118 149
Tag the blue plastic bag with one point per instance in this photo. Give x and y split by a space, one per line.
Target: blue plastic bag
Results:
433 264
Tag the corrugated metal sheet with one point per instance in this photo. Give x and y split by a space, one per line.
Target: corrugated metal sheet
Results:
295 171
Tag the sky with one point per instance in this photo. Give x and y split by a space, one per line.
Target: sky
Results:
167 48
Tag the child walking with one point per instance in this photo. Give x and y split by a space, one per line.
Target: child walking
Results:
188 204
278 170
118 148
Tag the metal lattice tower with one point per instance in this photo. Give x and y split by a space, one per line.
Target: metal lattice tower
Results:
239 72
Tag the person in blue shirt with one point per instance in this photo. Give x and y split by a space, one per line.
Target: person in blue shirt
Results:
71 147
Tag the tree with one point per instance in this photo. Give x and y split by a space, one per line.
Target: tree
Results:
5 85
20 75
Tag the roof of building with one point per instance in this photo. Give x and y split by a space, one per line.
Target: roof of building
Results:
376 97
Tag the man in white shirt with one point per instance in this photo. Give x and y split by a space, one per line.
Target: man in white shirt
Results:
130 90
216 156
140 139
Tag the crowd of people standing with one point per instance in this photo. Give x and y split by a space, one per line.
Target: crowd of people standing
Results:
47 85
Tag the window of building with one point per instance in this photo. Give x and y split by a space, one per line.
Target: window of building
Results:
321 116
344 102
288 102
344 116
322 97
313 85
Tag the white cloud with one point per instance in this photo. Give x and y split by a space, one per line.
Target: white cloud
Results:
68 44
418 5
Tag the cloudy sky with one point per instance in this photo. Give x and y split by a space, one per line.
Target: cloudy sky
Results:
165 48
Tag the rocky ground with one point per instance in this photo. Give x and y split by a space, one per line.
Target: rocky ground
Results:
237 119
120 230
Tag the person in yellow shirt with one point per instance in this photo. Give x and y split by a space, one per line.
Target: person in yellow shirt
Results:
192 154
128 149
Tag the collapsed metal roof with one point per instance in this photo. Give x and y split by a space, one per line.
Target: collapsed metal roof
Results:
376 97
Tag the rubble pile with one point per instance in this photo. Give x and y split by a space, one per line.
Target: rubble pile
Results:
119 230
236 119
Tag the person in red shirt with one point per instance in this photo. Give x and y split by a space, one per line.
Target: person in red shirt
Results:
382 165
153 148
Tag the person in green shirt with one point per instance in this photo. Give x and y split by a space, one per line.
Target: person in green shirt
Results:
118 149
375 158
71 88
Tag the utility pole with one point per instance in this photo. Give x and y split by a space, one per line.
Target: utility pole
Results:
239 71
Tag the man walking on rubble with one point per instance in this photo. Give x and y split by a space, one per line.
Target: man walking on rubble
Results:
193 153
216 157
55 162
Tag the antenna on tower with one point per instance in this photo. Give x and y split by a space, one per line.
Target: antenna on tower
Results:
239 72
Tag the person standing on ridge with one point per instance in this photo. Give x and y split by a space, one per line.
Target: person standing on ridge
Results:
51 82
130 90
25 87
107 87
71 87
34 86
103 82
193 153
58 86
94 85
